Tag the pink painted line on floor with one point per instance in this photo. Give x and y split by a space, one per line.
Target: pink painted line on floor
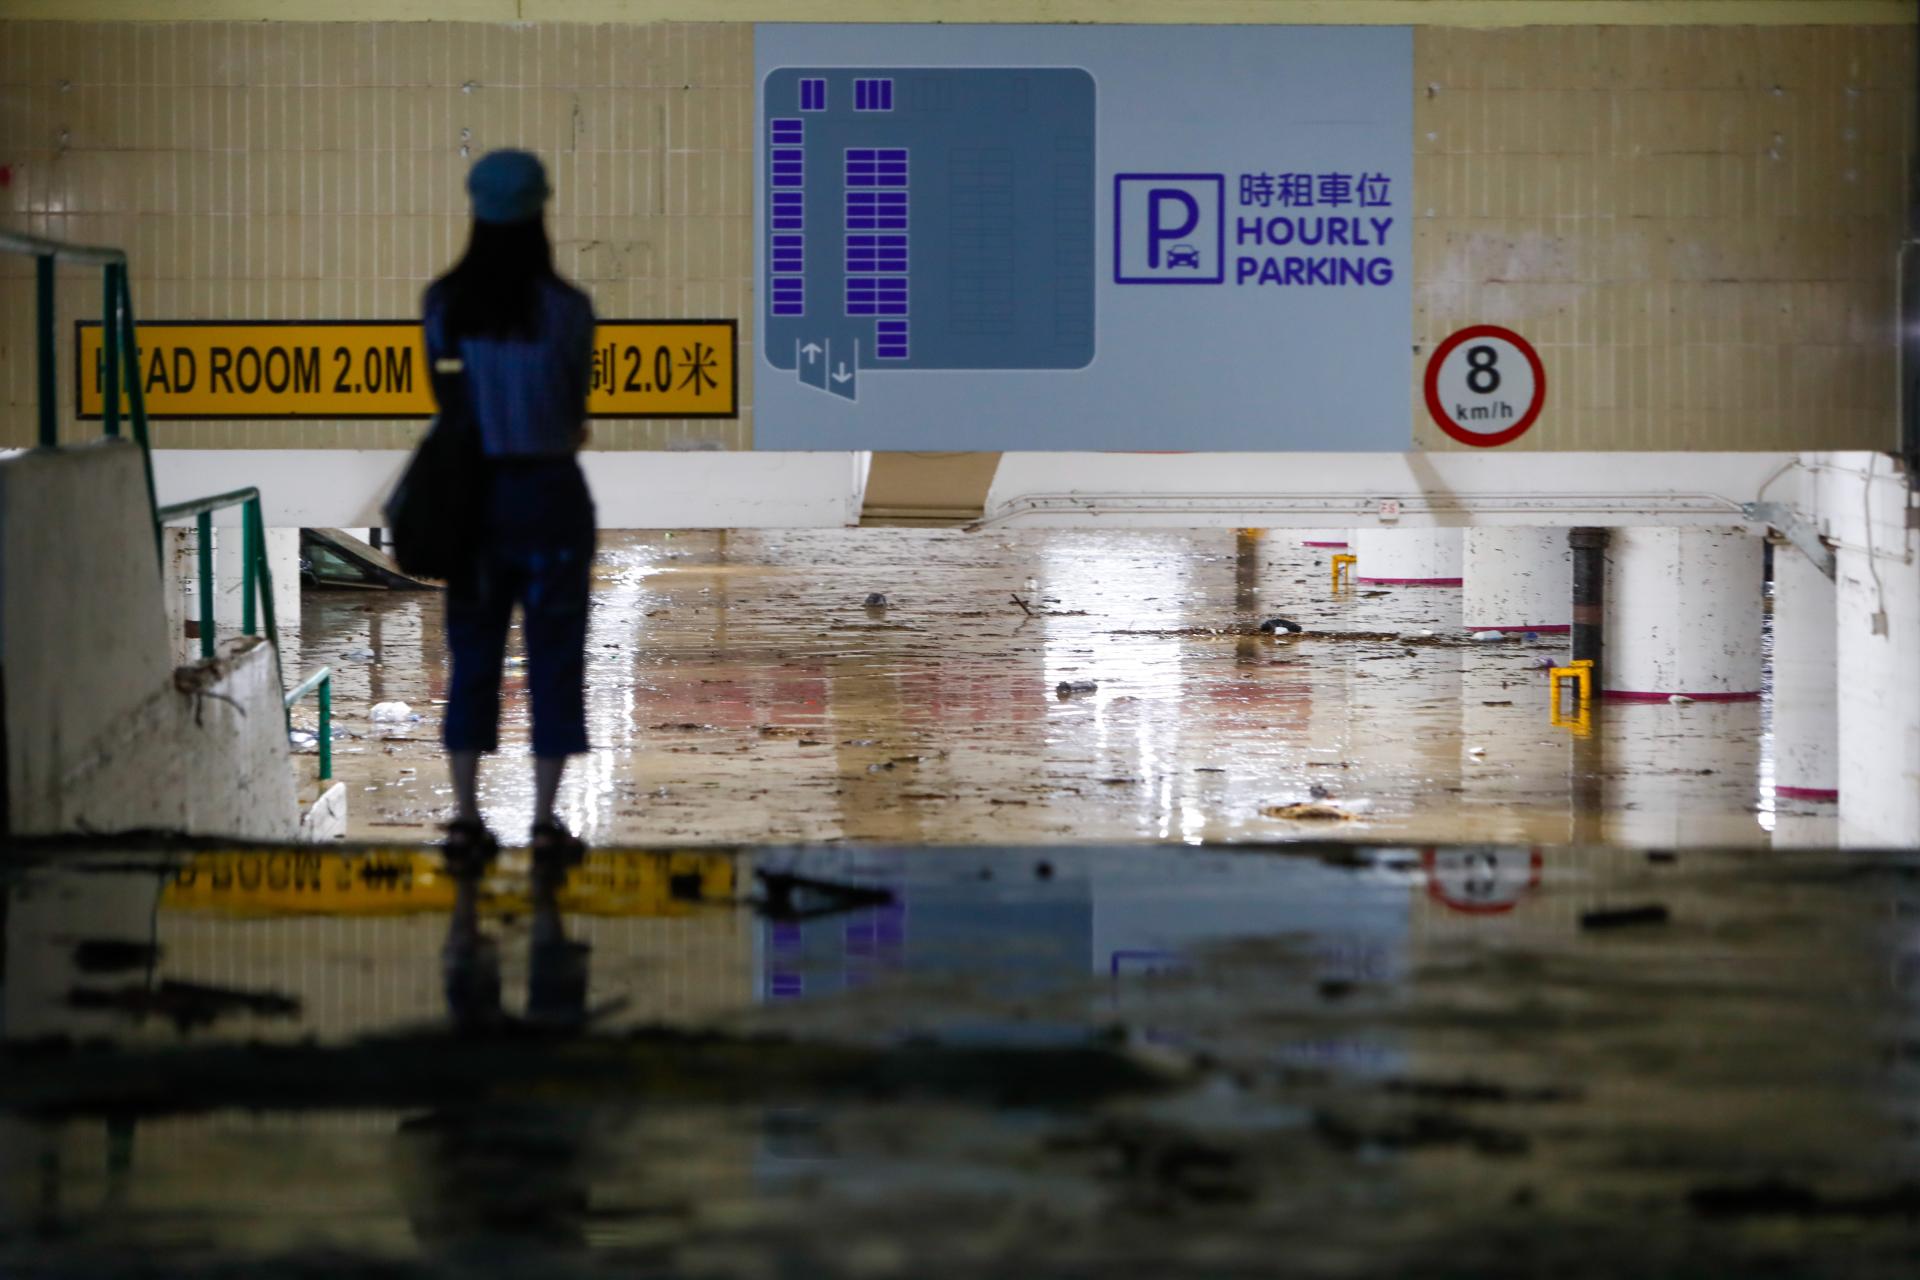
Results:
1807 793
1639 695
1415 582
1551 628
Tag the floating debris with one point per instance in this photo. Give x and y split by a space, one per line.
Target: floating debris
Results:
113 955
875 600
1273 626
391 713
1623 917
1308 811
1071 688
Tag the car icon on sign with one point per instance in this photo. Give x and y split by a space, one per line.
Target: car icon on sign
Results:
1183 255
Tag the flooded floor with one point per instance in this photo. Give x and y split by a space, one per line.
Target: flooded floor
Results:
740 690
879 1061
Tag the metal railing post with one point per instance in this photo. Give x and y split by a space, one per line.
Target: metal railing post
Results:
49 382
320 682
137 403
326 728
108 374
250 552
269 623
204 523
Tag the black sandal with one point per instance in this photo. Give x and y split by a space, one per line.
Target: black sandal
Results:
469 846
556 848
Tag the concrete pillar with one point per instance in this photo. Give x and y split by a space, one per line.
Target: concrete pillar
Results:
1806 684
1683 615
1517 579
1877 636
283 561
1409 557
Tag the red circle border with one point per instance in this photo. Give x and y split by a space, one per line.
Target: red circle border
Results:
1438 410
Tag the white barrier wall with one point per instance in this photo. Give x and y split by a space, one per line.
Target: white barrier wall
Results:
345 488
100 736
1334 493
1683 615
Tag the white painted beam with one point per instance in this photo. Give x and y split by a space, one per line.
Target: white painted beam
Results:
1354 490
345 488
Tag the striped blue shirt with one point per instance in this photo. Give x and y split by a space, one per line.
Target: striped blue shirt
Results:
529 394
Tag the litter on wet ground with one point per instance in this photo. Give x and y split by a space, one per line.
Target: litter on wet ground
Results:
698 641
877 1060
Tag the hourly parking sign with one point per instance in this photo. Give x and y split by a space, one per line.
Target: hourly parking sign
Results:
1083 237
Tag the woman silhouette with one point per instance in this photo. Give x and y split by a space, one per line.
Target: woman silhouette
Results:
521 338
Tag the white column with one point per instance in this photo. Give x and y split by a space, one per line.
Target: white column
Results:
1409 557
1683 615
1806 683
283 561
1517 579
1877 641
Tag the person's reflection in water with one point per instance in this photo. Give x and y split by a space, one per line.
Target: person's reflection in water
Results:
483 1178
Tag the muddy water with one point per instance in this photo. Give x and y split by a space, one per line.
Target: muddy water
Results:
1028 1061
739 690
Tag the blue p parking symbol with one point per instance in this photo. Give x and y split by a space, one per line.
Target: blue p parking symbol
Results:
1169 228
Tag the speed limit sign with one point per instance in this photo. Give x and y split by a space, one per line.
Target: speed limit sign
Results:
1485 385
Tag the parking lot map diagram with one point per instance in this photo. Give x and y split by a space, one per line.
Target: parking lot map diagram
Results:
932 218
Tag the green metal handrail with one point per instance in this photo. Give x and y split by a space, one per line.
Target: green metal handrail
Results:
122 391
119 352
323 681
256 575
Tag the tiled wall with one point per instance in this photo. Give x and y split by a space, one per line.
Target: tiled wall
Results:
1695 224
314 170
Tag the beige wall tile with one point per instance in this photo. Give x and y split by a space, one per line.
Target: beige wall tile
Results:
1694 225
314 171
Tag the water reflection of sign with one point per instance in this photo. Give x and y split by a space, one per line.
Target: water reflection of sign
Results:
335 369
1480 880
408 881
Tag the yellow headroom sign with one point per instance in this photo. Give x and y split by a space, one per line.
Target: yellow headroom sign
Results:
336 369
406 881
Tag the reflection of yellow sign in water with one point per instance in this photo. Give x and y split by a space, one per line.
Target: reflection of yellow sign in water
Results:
378 369
410 881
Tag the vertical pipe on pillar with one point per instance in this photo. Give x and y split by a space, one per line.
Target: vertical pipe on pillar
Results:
1589 596
44 343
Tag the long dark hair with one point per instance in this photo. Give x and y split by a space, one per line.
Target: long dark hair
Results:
494 290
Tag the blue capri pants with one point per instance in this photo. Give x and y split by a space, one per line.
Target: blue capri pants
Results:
536 550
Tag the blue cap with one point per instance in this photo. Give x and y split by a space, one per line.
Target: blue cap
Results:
508 186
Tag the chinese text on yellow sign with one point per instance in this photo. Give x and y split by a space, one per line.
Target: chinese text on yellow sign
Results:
378 369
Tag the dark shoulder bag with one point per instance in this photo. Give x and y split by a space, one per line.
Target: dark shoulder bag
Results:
434 513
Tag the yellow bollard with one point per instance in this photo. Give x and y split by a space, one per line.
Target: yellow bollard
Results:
1343 563
1580 673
